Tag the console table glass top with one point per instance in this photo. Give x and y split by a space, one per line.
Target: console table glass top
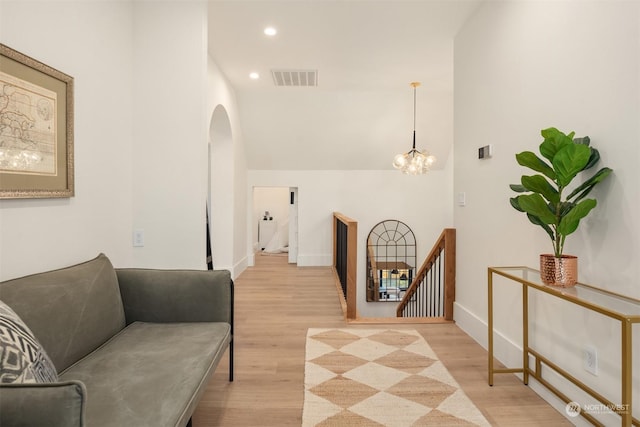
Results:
613 304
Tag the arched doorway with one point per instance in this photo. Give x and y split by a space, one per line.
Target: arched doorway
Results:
220 189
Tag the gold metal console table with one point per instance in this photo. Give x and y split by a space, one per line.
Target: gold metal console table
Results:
615 306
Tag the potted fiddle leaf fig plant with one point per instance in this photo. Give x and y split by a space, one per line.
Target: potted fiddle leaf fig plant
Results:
549 202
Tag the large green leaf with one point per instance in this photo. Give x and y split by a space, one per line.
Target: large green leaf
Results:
582 140
563 208
515 204
595 158
530 160
549 132
569 161
534 219
535 205
571 220
539 184
554 141
537 221
588 185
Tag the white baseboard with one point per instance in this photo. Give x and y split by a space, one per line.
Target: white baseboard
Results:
473 325
235 269
239 267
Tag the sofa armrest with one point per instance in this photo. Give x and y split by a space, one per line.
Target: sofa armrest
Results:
151 295
50 404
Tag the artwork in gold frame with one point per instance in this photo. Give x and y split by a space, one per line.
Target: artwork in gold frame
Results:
36 128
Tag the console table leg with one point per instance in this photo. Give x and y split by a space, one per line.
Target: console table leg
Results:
626 396
525 334
490 324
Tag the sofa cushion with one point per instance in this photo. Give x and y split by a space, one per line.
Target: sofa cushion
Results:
71 311
150 374
22 358
43 405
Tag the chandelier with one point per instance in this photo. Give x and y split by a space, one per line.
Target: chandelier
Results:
414 162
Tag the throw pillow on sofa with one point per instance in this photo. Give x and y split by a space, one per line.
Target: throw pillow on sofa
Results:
22 358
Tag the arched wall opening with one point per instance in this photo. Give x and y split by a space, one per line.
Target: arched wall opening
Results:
220 189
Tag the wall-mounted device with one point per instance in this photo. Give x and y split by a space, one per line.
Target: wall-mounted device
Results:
485 152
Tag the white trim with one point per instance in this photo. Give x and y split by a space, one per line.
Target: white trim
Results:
239 267
235 270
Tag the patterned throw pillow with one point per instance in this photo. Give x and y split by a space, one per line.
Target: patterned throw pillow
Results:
22 359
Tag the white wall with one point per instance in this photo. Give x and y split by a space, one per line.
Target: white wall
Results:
91 41
140 134
232 176
170 133
381 121
240 208
221 188
422 202
521 67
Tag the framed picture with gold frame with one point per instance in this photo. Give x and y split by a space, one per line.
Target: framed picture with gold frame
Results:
36 128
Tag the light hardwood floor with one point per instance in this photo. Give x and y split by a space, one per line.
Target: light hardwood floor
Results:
275 305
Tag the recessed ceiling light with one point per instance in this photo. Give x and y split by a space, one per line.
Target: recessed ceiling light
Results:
270 31
254 76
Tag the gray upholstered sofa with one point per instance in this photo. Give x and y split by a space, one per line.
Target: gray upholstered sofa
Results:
131 347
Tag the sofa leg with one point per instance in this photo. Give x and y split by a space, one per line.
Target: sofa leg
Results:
190 424
231 361
232 288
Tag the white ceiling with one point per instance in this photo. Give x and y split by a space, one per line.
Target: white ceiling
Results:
366 53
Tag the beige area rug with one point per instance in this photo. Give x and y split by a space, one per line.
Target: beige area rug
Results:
380 377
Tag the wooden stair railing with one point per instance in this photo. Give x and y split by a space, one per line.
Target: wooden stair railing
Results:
373 280
432 292
345 255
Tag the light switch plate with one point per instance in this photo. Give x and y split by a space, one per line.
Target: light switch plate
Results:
138 238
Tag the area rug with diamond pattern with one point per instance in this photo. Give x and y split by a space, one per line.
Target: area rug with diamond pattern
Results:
380 377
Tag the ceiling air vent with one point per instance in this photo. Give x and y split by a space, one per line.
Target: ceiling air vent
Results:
295 77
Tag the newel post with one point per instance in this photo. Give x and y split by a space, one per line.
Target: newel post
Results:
450 272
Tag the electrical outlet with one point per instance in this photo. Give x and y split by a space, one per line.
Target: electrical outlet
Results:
590 359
